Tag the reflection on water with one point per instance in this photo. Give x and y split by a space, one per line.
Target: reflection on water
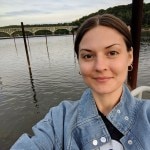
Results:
33 89
1 84
27 94
15 45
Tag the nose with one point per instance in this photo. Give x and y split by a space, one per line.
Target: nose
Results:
101 64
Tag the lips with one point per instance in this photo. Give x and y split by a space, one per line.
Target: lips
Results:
102 79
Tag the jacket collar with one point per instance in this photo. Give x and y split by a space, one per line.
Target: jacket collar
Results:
87 106
122 116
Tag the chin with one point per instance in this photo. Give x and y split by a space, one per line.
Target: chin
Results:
102 92
106 89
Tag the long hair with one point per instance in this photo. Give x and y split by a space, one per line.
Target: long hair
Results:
107 20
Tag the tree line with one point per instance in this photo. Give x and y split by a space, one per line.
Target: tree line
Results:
124 12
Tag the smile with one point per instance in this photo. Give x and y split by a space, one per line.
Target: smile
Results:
102 79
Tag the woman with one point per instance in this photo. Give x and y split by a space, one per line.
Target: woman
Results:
107 116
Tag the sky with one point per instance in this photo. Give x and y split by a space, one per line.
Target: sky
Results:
13 12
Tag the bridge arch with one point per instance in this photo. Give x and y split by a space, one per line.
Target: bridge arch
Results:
4 34
19 33
61 31
32 30
43 32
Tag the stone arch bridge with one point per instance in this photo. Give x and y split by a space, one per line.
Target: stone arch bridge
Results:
33 30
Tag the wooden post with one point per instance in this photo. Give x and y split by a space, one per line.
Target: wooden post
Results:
30 71
28 45
15 44
25 44
46 41
73 33
137 15
47 46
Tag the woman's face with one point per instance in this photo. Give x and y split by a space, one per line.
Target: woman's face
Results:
104 59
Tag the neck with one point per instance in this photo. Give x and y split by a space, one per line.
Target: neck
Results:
106 102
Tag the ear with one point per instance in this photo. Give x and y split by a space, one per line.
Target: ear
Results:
130 54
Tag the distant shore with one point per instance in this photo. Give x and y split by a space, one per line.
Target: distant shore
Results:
32 36
147 30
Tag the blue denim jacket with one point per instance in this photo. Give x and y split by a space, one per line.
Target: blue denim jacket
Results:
76 125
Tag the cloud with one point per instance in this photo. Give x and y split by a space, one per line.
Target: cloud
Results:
51 11
23 13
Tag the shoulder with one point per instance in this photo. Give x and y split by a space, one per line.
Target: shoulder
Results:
68 111
145 103
144 109
65 107
68 108
146 106
64 114
141 126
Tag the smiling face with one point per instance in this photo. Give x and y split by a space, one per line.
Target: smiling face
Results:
104 59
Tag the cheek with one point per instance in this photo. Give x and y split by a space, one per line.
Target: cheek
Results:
85 68
119 68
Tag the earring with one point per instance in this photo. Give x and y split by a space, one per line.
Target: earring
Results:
80 73
130 68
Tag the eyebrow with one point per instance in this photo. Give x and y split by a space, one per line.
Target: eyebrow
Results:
85 49
111 45
88 50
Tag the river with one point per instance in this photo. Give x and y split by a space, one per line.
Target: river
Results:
26 95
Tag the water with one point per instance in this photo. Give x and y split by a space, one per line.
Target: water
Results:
25 98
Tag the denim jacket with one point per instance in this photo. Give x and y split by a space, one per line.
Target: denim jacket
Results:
77 125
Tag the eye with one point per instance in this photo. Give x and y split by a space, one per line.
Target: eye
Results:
113 53
87 56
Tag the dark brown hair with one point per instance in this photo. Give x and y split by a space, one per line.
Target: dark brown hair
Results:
107 20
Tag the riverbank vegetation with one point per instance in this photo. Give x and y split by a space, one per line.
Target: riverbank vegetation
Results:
124 12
